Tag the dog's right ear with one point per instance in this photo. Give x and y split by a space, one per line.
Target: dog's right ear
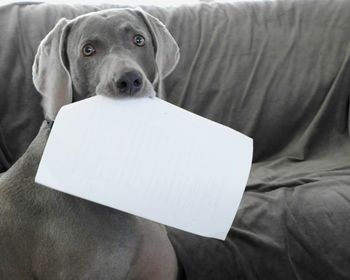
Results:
167 53
50 74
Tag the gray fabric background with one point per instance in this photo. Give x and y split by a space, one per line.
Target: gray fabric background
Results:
277 71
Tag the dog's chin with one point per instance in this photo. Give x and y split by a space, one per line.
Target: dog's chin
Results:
109 90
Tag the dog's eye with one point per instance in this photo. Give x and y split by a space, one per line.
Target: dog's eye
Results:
88 50
139 40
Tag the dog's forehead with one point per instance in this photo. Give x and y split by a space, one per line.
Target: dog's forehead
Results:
110 22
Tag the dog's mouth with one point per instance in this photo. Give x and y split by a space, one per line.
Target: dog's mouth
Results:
134 86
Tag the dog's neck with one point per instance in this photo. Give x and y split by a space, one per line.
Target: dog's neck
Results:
50 123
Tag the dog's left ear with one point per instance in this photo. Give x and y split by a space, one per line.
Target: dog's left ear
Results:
51 77
167 52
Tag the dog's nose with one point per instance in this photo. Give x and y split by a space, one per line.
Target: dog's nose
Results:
130 82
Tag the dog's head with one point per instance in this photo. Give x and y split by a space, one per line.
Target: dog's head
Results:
118 52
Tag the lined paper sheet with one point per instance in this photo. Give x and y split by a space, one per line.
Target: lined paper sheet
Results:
149 158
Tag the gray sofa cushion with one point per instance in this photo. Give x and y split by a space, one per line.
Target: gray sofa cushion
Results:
275 70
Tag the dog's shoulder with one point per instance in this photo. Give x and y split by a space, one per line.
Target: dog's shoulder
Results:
17 184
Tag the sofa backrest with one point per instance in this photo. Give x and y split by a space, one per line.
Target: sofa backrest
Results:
270 69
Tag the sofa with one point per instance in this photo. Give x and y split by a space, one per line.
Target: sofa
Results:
277 71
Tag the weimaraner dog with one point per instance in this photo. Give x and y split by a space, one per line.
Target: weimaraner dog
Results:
46 234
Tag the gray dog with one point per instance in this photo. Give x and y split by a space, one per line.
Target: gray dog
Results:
45 234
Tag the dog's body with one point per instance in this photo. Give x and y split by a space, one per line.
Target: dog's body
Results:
45 234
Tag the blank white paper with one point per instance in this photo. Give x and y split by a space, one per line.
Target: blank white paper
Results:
149 158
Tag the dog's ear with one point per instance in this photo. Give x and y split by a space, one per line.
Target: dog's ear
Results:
167 52
50 74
